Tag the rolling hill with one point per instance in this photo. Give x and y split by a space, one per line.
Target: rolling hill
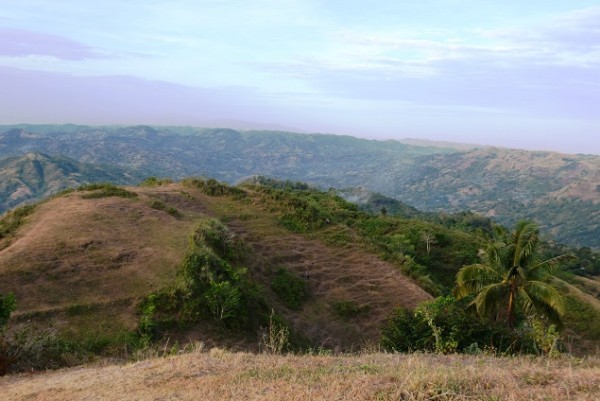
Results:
118 271
83 262
559 191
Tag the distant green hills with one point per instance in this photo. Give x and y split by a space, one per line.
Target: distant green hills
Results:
561 192
35 176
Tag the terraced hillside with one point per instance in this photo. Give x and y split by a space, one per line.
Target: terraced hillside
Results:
83 261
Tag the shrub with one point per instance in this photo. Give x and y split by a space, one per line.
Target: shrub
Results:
155 182
444 325
213 187
160 205
289 288
349 309
7 306
12 220
103 190
208 285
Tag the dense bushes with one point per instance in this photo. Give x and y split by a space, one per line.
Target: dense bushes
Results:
213 187
209 285
443 325
447 325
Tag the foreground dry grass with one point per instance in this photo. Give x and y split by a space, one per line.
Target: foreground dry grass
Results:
220 375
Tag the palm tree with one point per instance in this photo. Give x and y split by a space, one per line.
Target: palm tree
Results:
510 277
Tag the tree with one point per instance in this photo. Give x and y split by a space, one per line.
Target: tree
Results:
223 299
429 239
511 277
7 306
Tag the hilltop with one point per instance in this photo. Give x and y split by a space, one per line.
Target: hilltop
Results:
559 191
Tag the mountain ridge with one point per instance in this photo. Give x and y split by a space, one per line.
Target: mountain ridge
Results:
559 191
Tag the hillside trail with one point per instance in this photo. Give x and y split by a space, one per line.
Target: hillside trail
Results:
335 276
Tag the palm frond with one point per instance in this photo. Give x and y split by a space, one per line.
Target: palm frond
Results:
545 295
548 266
472 279
525 238
488 300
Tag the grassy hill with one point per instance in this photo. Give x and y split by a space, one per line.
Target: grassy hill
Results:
36 176
108 267
105 270
82 263
559 191
216 374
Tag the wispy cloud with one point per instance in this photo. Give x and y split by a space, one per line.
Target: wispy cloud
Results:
23 43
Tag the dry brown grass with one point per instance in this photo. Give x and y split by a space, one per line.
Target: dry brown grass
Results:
333 274
83 264
97 256
220 375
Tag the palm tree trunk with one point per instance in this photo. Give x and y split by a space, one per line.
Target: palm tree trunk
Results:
511 301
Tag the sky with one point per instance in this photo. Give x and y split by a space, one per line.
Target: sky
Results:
522 74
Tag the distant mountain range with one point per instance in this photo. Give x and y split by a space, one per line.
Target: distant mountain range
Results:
35 176
561 192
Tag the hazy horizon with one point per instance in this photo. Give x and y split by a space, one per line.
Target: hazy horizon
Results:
519 75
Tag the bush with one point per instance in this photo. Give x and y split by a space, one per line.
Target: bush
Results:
444 325
104 190
213 187
160 205
208 285
289 288
7 306
155 182
349 309
12 220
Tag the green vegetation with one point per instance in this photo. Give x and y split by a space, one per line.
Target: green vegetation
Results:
104 190
7 306
155 182
160 205
512 278
212 187
210 284
426 251
444 325
349 309
289 288
12 220
223 286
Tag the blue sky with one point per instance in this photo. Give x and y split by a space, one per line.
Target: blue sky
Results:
511 73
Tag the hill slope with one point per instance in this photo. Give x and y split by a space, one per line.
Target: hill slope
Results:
83 263
559 191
